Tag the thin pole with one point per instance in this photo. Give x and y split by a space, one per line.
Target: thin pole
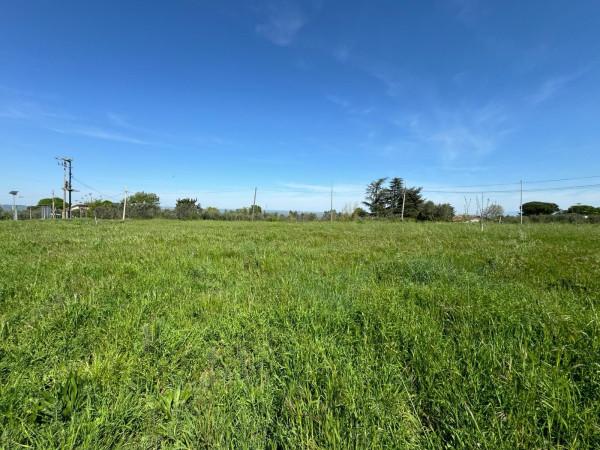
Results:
125 205
15 215
521 203
53 210
403 202
30 213
481 212
331 205
63 213
70 187
253 203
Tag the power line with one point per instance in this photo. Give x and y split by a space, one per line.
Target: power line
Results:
516 183
512 191
95 190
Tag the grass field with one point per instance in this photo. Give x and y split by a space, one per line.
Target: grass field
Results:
165 334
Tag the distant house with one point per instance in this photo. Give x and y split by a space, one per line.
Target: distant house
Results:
79 210
465 218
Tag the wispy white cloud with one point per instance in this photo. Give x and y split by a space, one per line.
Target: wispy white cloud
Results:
457 133
342 53
99 133
551 86
320 188
10 112
283 22
347 105
118 120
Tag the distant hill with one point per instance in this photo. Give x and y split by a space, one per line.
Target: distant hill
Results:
9 207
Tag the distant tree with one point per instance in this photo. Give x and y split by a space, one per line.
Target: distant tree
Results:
539 208
58 202
211 213
444 212
327 214
105 209
5 215
432 211
377 197
358 213
414 202
395 194
427 211
144 198
493 211
144 205
585 210
187 208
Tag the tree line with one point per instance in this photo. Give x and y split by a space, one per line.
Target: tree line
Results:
384 199
396 200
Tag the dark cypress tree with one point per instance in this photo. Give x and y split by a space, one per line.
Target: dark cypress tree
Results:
376 199
394 196
414 201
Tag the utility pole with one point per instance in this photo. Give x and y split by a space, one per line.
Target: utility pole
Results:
253 204
521 203
331 205
481 212
63 212
403 202
14 194
30 217
125 204
67 185
53 209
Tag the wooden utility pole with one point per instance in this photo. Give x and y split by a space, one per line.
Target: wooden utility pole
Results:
63 212
253 203
125 204
403 202
67 185
481 212
53 209
331 205
521 203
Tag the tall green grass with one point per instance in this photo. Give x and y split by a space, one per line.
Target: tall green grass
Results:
163 334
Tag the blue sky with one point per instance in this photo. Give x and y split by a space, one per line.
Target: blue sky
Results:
210 99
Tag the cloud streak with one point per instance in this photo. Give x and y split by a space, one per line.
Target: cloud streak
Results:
284 21
99 133
550 87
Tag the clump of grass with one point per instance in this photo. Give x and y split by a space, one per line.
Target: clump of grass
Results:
376 335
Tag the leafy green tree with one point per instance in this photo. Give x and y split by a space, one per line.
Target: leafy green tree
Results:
444 212
585 210
58 202
358 213
187 208
426 211
414 202
211 213
5 215
432 211
144 198
377 197
539 208
144 205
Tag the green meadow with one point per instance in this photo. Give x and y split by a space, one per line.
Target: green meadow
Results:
164 334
